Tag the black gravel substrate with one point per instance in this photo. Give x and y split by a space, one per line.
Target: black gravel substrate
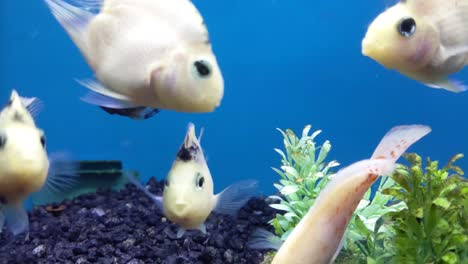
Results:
126 227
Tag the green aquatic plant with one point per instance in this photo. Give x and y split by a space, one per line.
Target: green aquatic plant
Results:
434 226
366 234
303 174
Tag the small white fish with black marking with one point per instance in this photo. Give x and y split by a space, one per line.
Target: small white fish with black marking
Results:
25 168
188 198
146 55
318 238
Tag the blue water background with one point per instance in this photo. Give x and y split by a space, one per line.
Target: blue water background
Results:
285 63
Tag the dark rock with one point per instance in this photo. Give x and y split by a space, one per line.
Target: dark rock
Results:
132 230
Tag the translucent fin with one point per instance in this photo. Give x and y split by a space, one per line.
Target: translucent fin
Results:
262 239
102 90
202 228
338 250
61 179
398 140
231 199
180 232
95 98
2 218
74 18
33 104
113 105
16 219
449 85
137 183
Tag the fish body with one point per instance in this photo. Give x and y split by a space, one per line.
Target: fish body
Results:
145 54
426 40
318 237
23 158
188 197
25 167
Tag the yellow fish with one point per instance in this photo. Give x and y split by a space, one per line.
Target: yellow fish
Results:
25 168
318 237
146 55
188 198
426 40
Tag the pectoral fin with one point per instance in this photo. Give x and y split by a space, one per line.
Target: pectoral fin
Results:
449 85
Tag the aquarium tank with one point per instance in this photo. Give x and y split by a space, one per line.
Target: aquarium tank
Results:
175 131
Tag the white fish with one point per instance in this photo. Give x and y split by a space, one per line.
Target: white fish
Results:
188 197
146 54
318 237
426 40
24 165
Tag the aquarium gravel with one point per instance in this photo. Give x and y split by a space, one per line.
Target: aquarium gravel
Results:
127 227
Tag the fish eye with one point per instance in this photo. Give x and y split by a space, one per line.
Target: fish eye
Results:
406 27
199 181
201 69
43 141
3 140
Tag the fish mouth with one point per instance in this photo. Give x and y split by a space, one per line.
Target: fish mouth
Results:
369 47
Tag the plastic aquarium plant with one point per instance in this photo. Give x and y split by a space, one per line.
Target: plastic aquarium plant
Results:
303 174
366 234
434 227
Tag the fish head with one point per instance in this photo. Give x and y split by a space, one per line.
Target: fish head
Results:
188 195
400 39
191 81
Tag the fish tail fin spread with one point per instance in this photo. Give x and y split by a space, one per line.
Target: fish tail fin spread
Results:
263 239
398 140
114 103
451 85
74 18
61 179
231 199
157 199
16 218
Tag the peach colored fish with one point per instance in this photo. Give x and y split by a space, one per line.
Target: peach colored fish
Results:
426 40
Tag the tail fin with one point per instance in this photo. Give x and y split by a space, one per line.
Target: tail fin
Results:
74 19
398 140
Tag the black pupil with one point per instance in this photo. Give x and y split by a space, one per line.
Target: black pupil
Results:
2 141
201 181
43 141
407 27
202 68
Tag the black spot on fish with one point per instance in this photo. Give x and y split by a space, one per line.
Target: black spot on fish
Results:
187 154
43 141
3 140
18 117
3 200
